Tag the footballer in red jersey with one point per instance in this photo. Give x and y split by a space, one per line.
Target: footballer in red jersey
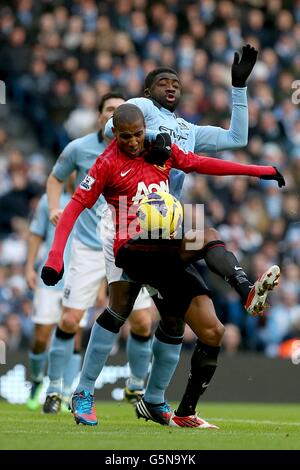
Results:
123 173
124 176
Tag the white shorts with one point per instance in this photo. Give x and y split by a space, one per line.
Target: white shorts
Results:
84 275
113 273
47 306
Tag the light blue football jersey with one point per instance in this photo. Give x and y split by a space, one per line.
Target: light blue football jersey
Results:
80 155
199 139
42 226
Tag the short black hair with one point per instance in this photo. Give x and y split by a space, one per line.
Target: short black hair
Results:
152 75
127 113
108 96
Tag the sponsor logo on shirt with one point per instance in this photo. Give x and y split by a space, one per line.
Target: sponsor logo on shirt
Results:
173 134
143 190
183 125
124 173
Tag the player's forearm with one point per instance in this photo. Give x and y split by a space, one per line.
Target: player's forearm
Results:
189 162
62 233
237 134
54 190
214 166
34 244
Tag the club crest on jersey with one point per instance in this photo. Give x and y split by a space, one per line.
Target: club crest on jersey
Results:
87 183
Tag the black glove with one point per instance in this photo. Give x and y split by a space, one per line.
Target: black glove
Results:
277 177
241 69
51 277
160 150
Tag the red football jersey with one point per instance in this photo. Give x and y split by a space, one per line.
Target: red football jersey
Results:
124 181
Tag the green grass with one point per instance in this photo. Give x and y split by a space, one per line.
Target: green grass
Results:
242 426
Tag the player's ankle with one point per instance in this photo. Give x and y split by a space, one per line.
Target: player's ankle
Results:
185 409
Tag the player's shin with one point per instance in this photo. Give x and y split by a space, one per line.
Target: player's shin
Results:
139 353
224 263
103 336
166 352
71 372
203 367
60 352
37 364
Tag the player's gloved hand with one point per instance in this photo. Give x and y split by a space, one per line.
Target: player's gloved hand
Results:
242 67
160 150
53 270
277 177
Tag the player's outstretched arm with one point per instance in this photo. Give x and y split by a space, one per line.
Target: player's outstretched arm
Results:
210 139
190 162
53 270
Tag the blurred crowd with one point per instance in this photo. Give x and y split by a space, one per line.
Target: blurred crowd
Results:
58 58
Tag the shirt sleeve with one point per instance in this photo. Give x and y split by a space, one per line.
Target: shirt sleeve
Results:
92 186
40 221
145 105
210 139
66 163
189 162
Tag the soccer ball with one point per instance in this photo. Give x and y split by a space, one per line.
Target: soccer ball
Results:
160 213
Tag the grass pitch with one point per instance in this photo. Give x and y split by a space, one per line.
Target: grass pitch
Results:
242 426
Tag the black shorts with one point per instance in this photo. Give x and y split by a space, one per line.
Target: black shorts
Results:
157 263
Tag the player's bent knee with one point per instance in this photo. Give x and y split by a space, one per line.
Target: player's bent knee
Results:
122 306
111 320
69 322
213 336
167 335
140 322
142 329
172 326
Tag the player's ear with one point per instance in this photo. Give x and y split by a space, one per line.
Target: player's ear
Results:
147 93
113 130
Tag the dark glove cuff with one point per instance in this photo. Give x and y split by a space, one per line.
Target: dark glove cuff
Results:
51 277
238 82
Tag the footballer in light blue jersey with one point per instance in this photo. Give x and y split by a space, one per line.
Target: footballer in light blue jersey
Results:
80 155
42 227
188 136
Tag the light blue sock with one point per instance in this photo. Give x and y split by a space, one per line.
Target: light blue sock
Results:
139 355
100 344
37 364
60 353
165 359
71 371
